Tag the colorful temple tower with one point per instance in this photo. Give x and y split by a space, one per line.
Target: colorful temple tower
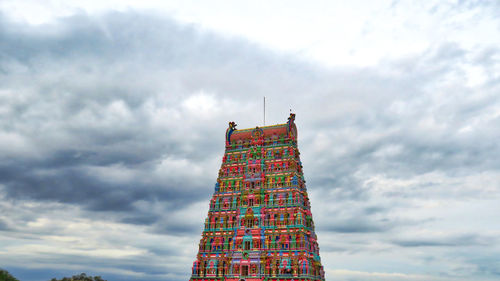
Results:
259 225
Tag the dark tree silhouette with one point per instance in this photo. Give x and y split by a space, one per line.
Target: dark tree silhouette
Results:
5 276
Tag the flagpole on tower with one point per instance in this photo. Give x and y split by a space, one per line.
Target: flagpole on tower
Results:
264 110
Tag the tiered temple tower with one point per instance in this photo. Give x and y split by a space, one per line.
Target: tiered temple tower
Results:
259 224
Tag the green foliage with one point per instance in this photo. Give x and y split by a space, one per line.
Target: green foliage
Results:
5 276
81 277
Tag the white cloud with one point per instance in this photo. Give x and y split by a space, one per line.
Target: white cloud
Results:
201 104
116 126
342 274
327 32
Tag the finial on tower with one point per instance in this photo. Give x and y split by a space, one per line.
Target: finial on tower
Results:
229 132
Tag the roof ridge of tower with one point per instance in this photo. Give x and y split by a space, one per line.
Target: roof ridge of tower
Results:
261 127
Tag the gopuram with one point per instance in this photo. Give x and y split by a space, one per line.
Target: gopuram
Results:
259 225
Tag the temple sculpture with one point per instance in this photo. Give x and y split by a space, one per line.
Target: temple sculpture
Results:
259 224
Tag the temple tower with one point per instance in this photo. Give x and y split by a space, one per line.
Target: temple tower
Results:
259 225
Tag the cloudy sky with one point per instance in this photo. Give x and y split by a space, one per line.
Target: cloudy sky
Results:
113 114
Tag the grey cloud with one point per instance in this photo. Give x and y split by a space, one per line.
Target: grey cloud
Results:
86 65
3 226
359 226
329 248
178 228
79 186
487 264
465 240
141 220
360 217
374 210
91 93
